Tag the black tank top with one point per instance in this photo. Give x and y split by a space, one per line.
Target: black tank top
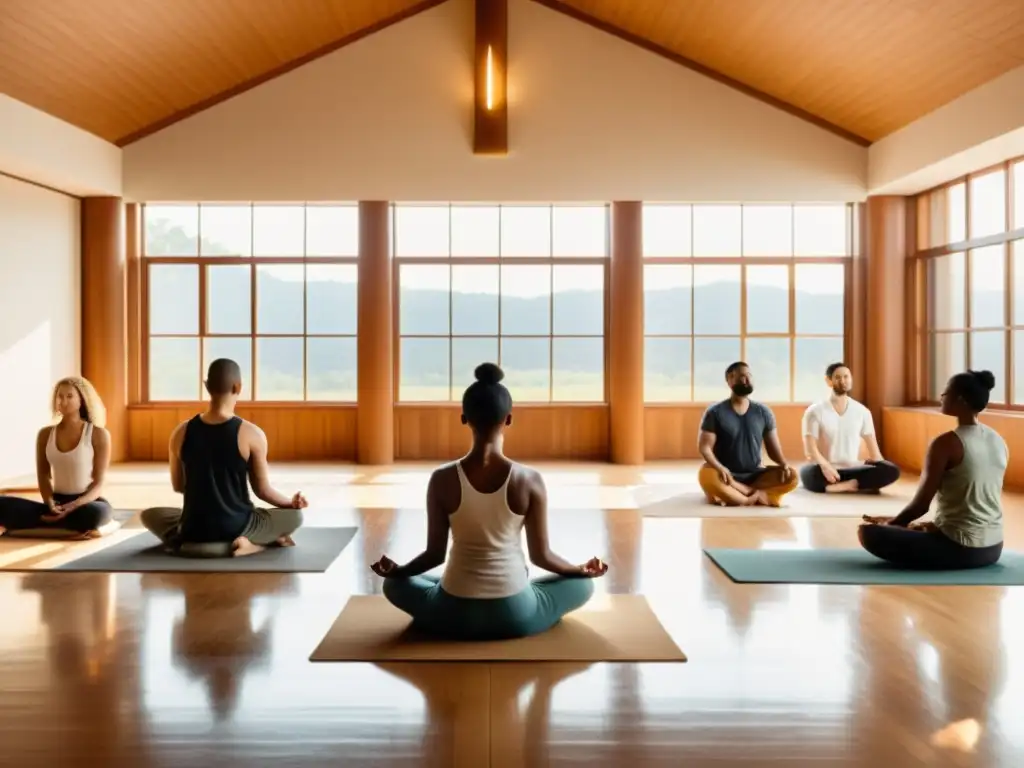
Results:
217 504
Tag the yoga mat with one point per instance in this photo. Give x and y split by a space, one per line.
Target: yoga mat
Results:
852 566
687 500
611 628
314 551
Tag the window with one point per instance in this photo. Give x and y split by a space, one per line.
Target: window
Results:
759 283
272 287
974 294
519 285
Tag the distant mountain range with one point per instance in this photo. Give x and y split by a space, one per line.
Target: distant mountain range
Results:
330 308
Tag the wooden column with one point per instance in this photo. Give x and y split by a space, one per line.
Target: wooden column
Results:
104 347
626 334
375 438
885 288
133 301
490 102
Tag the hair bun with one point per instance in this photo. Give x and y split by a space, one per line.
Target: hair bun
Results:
488 373
985 378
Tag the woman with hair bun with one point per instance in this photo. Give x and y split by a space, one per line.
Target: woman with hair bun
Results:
72 457
486 500
964 470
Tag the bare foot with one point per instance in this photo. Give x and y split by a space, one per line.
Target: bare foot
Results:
87 535
285 541
2 530
241 547
757 498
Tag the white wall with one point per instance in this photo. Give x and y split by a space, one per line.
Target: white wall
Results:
979 129
41 148
591 118
39 312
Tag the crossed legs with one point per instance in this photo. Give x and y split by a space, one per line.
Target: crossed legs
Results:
766 486
18 514
923 547
865 477
266 527
534 610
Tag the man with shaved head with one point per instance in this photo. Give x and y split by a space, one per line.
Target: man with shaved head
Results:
213 457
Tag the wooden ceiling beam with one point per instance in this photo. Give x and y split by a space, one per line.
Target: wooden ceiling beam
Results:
276 72
629 37
490 105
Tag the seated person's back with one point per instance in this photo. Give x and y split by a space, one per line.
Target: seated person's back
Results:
216 505
969 500
490 505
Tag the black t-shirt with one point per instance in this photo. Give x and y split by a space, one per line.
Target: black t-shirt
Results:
738 438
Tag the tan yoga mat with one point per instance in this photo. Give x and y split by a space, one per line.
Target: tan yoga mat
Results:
610 628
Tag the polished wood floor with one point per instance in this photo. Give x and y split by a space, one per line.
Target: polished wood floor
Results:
192 670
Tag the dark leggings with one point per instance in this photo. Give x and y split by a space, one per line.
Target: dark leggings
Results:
18 514
869 477
924 550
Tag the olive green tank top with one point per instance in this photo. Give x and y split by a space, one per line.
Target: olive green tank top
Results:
970 509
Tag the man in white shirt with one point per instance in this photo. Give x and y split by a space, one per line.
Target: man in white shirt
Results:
833 430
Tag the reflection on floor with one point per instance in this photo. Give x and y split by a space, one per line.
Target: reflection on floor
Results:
168 670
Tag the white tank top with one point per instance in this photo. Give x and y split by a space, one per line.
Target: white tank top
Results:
71 471
486 560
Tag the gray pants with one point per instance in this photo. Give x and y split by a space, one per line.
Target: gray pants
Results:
265 527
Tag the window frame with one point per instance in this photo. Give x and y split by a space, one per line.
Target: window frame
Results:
921 301
743 262
253 262
451 261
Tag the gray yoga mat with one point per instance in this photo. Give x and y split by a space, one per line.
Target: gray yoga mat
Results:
853 566
314 551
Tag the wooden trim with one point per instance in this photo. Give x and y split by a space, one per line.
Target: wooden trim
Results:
969 245
47 187
490 34
701 69
230 93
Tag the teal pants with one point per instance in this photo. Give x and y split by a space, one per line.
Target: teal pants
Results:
536 609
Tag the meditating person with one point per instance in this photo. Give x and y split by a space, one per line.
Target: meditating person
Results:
485 500
732 434
964 469
72 458
212 455
833 430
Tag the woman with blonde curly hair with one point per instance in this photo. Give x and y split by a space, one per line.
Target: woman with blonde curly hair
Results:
72 457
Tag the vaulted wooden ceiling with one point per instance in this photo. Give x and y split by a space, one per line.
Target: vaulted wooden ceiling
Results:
867 66
122 68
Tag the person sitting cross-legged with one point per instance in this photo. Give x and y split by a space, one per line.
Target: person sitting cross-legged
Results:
72 458
212 456
833 430
485 500
732 433
964 471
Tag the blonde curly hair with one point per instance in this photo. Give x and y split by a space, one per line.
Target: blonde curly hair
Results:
92 410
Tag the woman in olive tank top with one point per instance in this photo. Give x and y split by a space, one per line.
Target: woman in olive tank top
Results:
963 472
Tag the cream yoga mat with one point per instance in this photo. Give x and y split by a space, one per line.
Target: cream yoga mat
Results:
611 628
687 500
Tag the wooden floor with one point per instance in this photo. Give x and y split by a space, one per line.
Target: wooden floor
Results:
201 670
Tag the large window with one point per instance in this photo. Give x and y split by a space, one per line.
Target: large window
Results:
759 283
970 240
271 286
520 285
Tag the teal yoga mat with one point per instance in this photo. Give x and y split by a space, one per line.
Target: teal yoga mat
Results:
852 566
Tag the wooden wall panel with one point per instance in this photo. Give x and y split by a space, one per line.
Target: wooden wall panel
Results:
912 429
670 431
540 432
297 432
